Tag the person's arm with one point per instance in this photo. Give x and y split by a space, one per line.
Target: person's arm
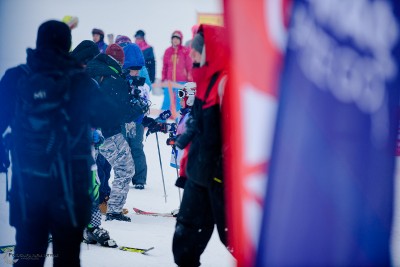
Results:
8 97
186 137
143 72
152 65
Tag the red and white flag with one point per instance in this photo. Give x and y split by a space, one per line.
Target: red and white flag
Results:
257 40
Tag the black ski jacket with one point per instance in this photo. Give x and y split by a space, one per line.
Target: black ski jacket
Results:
107 73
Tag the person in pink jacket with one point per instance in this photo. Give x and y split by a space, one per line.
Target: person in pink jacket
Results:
177 67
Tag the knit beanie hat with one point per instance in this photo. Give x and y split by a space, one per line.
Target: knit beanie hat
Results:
116 52
122 40
85 51
139 34
198 42
54 35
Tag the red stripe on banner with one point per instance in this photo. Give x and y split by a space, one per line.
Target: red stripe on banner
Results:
256 37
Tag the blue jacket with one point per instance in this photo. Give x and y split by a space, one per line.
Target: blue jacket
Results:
143 72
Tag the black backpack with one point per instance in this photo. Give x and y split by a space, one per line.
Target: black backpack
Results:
41 120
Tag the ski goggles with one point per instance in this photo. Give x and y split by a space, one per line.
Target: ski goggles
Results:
181 93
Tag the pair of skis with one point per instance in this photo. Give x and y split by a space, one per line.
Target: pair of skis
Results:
156 214
127 249
10 249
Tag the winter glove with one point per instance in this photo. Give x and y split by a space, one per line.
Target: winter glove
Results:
130 129
148 122
159 127
4 157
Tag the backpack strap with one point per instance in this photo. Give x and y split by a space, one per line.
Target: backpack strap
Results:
213 80
26 68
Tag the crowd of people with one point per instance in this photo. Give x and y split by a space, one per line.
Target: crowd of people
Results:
60 144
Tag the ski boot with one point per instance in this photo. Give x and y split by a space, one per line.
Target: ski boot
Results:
117 216
139 186
98 235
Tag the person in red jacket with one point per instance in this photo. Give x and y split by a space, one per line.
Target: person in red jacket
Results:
203 204
177 68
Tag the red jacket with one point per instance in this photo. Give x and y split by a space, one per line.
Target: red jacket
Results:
204 161
177 64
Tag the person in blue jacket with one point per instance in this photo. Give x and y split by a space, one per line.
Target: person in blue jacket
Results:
135 66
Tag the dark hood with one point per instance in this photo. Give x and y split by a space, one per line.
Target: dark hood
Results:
46 60
100 66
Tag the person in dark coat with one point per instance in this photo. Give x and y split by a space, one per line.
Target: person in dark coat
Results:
84 52
93 233
148 53
202 204
106 69
98 38
55 202
134 62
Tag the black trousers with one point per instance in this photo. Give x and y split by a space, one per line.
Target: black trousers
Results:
46 213
104 173
139 158
201 208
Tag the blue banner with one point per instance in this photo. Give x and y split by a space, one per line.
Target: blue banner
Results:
330 193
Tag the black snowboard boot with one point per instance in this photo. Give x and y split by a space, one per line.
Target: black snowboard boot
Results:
117 216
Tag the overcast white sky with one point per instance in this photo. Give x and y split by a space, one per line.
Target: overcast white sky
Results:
20 20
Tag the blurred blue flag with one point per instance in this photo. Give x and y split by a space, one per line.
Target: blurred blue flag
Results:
330 195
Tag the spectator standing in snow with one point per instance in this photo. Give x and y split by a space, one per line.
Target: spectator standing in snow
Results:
148 54
106 69
98 38
177 67
93 233
202 204
49 192
135 66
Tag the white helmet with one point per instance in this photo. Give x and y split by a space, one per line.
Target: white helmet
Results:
188 92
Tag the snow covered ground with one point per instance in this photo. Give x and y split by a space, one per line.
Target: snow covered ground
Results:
143 231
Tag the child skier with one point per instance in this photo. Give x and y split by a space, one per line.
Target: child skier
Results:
179 157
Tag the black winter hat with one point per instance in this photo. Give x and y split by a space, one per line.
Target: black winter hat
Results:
85 51
54 35
98 31
139 34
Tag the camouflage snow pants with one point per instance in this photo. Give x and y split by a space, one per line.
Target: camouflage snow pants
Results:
117 152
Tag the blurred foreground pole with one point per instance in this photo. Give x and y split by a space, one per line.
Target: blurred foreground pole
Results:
257 38
330 192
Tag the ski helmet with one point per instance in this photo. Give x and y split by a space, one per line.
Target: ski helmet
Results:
188 93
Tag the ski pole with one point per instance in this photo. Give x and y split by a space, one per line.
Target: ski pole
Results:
177 174
162 172
7 196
